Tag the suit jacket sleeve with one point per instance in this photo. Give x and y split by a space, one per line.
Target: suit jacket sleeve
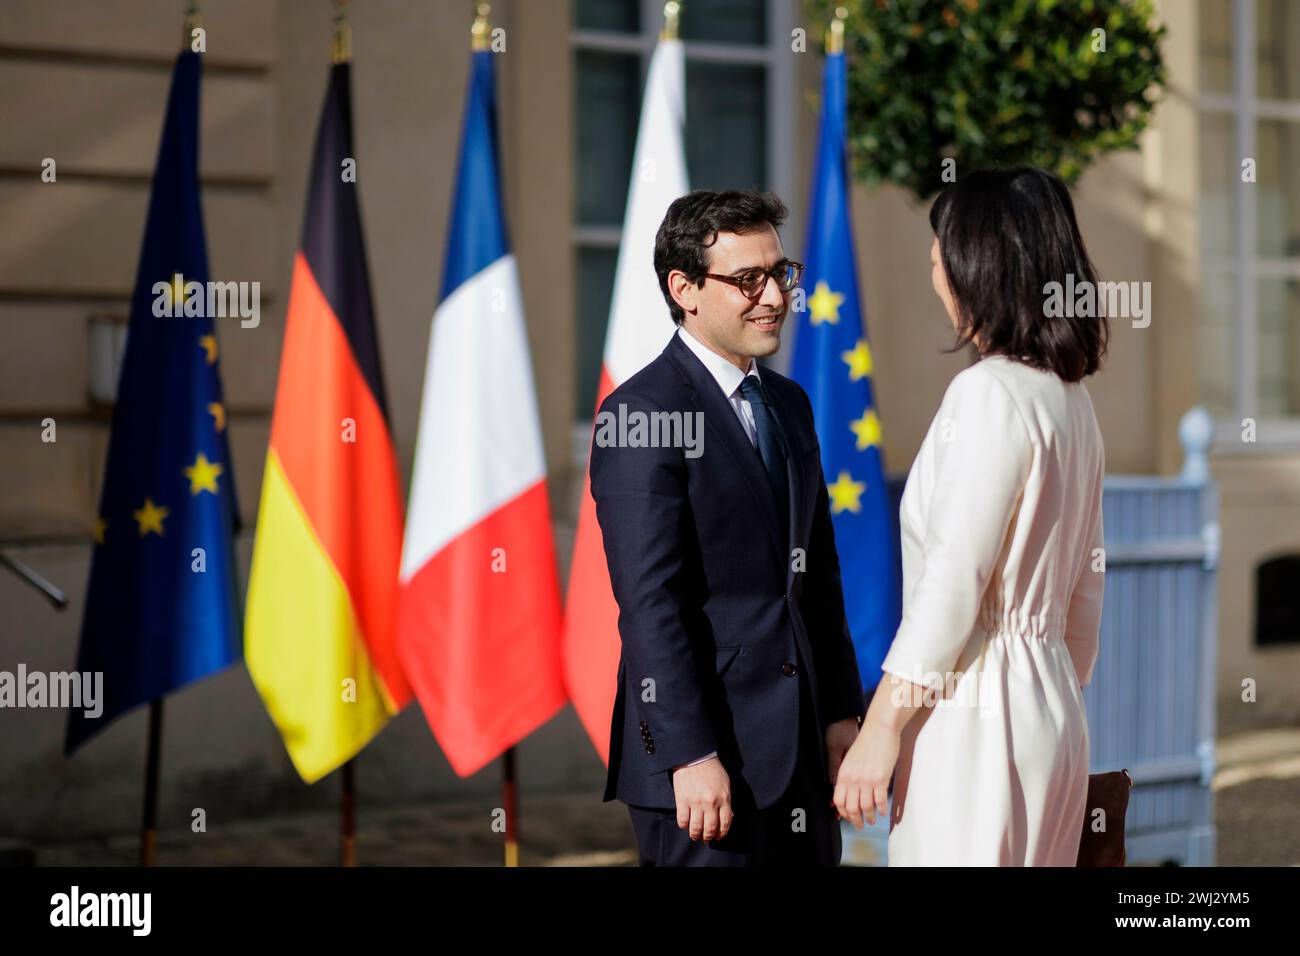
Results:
835 658
644 516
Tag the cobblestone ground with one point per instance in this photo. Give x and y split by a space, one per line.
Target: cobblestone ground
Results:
563 829
1257 811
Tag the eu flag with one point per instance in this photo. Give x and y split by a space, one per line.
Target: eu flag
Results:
833 363
161 603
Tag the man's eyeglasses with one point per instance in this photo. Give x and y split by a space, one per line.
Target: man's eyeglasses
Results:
752 282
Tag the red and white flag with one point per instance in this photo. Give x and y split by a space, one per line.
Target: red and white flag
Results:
639 328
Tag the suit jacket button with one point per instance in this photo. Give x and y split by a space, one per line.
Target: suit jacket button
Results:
788 669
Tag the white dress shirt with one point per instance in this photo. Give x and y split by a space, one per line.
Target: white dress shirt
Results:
728 377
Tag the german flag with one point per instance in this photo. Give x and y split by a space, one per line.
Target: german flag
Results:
319 627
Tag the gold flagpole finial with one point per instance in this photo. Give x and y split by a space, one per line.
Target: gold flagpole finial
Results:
835 39
192 22
672 20
341 44
480 33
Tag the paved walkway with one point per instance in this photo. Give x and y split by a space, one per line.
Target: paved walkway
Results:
564 829
1256 788
1257 798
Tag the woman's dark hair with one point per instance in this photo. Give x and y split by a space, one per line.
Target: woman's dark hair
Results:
1004 234
692 224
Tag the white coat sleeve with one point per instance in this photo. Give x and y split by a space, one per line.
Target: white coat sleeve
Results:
1083 620
983 454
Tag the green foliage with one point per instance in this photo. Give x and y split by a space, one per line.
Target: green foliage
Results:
993 82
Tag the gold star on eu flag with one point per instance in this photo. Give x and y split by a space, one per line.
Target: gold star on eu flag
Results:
203 475
846 494
825 304
858 359
150 517
218 413
867 428
209 345
176 294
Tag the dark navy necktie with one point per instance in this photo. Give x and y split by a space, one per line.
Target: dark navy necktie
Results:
771 445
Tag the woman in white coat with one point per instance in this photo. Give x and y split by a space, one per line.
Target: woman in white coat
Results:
979 717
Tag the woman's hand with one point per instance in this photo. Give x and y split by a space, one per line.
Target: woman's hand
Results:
862 786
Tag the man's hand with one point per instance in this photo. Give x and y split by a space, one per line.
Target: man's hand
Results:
703 794
839 738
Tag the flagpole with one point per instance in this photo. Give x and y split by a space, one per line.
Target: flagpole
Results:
341 52
152 764
835 39
348 816
341 42
672 20
480 32
480 40
153 749
191 23
510 803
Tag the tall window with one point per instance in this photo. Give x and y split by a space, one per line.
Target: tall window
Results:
1250 231
740 99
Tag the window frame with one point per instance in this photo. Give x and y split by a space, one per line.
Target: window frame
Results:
1247 109
781 73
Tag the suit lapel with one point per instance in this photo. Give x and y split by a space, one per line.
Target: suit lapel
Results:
723 424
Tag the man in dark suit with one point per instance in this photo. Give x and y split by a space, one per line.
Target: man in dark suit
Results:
738 687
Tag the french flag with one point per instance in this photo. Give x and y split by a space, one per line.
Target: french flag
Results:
639 328
479 613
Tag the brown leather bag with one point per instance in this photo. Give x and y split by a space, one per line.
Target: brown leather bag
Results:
1110 792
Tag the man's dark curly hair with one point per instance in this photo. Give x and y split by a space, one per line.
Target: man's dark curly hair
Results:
691 227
